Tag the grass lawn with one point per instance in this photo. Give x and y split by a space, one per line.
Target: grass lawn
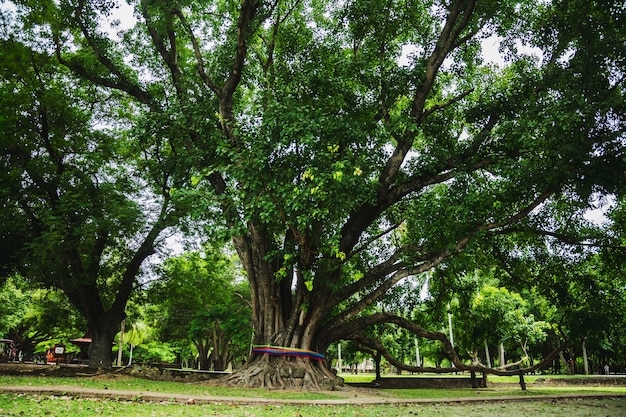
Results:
148 386
502 386
34 405
18 404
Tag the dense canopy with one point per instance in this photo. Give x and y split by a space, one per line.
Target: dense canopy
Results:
343 146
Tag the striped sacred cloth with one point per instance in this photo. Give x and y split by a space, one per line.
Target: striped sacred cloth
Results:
285 351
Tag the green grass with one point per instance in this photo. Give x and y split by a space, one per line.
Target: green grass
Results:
502 386
17 405
12 404
149 386
359 378
198 389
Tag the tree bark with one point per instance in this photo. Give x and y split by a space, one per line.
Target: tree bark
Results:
585 358
130 359
203 356
101 348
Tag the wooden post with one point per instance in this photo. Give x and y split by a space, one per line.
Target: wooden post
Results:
521 380
473 375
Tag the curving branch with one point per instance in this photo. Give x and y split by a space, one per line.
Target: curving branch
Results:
120 82
450 353
168 50
247 15
363 216
540 199
448 103
200 67
457 20
270 43
387 274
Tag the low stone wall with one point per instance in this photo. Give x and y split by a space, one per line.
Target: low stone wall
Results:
600 381
424 382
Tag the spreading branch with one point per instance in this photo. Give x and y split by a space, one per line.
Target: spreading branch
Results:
449 351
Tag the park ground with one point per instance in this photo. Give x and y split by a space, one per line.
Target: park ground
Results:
54 391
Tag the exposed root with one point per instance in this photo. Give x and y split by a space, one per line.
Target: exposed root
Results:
284 373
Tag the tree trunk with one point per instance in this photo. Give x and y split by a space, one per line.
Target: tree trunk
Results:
120 345
283 317
203 357
281 372
487 356
220 362
220 354
377 360
501 352
563 361
585 358
101 348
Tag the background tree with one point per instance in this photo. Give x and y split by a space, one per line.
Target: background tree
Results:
152 349
316 129
135 336
14 301
202 303
500 317
76 191
37 319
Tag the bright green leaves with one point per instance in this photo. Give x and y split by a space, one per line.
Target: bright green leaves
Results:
337 253
201 303
499 315
36 318
309 138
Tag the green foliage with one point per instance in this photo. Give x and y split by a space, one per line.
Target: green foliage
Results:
199 300
155 351
37 318
499 315
343 146
14 302
86 195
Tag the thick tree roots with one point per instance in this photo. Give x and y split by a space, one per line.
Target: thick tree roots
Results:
280 372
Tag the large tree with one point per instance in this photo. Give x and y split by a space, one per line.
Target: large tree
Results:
82 205
346 146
